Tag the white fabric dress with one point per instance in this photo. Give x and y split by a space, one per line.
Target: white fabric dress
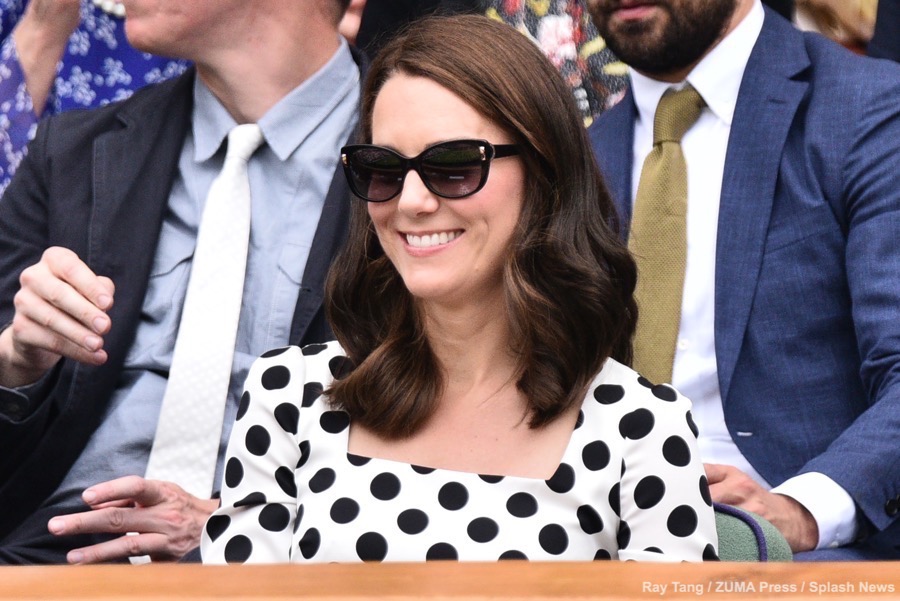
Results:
630 485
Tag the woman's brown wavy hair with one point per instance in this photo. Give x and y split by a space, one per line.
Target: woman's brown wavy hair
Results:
569 279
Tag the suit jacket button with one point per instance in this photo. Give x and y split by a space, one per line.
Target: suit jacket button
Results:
892 507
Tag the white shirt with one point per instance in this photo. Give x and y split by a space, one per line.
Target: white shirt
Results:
717 78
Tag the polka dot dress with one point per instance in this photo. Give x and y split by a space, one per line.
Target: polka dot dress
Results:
630 485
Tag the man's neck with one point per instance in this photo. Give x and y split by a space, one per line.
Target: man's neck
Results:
250 81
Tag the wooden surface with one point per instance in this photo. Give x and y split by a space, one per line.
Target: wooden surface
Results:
455 581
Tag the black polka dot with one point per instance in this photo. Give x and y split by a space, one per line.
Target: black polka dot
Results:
322 480
589 520
340 367
623 535
309 543
602 555
254 498
298 518
344 510
304 453
238 549
595 455
358 460
287 415
676 451
313 349
257 440
334 422
284 476
371 546
682 521
243 405
691 424
563 480
522 505
622 471
216 525
664 393
636 425
607 394
421 469
512 554
645 382
580 420
412 521
704 490
709 553
311 391
385 486
453 496
653 550
614 499
441 551
491 479
274 518
553 539
234 472
274 352
276 377
482 530
648 492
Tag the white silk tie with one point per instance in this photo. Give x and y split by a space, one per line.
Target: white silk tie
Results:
189 430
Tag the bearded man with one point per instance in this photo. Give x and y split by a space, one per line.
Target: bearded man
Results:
768 219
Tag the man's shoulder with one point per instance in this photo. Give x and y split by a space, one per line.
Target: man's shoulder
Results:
151 104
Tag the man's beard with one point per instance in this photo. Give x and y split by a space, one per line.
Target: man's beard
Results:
661 47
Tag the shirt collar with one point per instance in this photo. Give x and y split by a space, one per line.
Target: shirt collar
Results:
717 77
314 99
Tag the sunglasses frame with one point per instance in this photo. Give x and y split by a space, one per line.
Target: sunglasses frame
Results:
488 151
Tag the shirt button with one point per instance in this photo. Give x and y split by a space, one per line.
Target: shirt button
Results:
13 409
892 507
683 345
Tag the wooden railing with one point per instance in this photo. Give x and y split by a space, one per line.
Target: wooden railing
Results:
454 581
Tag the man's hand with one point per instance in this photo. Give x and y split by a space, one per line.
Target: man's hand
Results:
60 312
731 486
167 521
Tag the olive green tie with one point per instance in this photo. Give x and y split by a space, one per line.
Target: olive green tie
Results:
658 238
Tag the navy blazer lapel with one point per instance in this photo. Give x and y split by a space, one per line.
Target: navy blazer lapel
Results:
331 233
767 103
612 138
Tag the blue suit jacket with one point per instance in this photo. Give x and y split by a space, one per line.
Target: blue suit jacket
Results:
807 284
98 182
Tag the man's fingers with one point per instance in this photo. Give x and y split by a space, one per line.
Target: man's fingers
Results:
133 489
119 548
715 472
71 287
42 347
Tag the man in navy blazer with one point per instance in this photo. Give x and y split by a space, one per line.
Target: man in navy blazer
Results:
789 337
91 222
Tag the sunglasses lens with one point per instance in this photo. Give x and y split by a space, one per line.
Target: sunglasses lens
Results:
376 174
454 169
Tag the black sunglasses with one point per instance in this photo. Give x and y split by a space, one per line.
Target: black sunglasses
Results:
450 169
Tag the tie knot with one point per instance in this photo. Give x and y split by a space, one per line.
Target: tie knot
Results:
676 113
243 140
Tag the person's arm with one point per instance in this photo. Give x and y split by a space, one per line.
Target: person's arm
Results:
665 508
40 40
259 497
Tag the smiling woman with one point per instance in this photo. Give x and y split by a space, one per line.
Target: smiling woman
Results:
474 406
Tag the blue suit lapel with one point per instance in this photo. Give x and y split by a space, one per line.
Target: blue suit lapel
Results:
767 103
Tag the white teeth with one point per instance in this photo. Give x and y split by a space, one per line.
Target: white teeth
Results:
428 241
